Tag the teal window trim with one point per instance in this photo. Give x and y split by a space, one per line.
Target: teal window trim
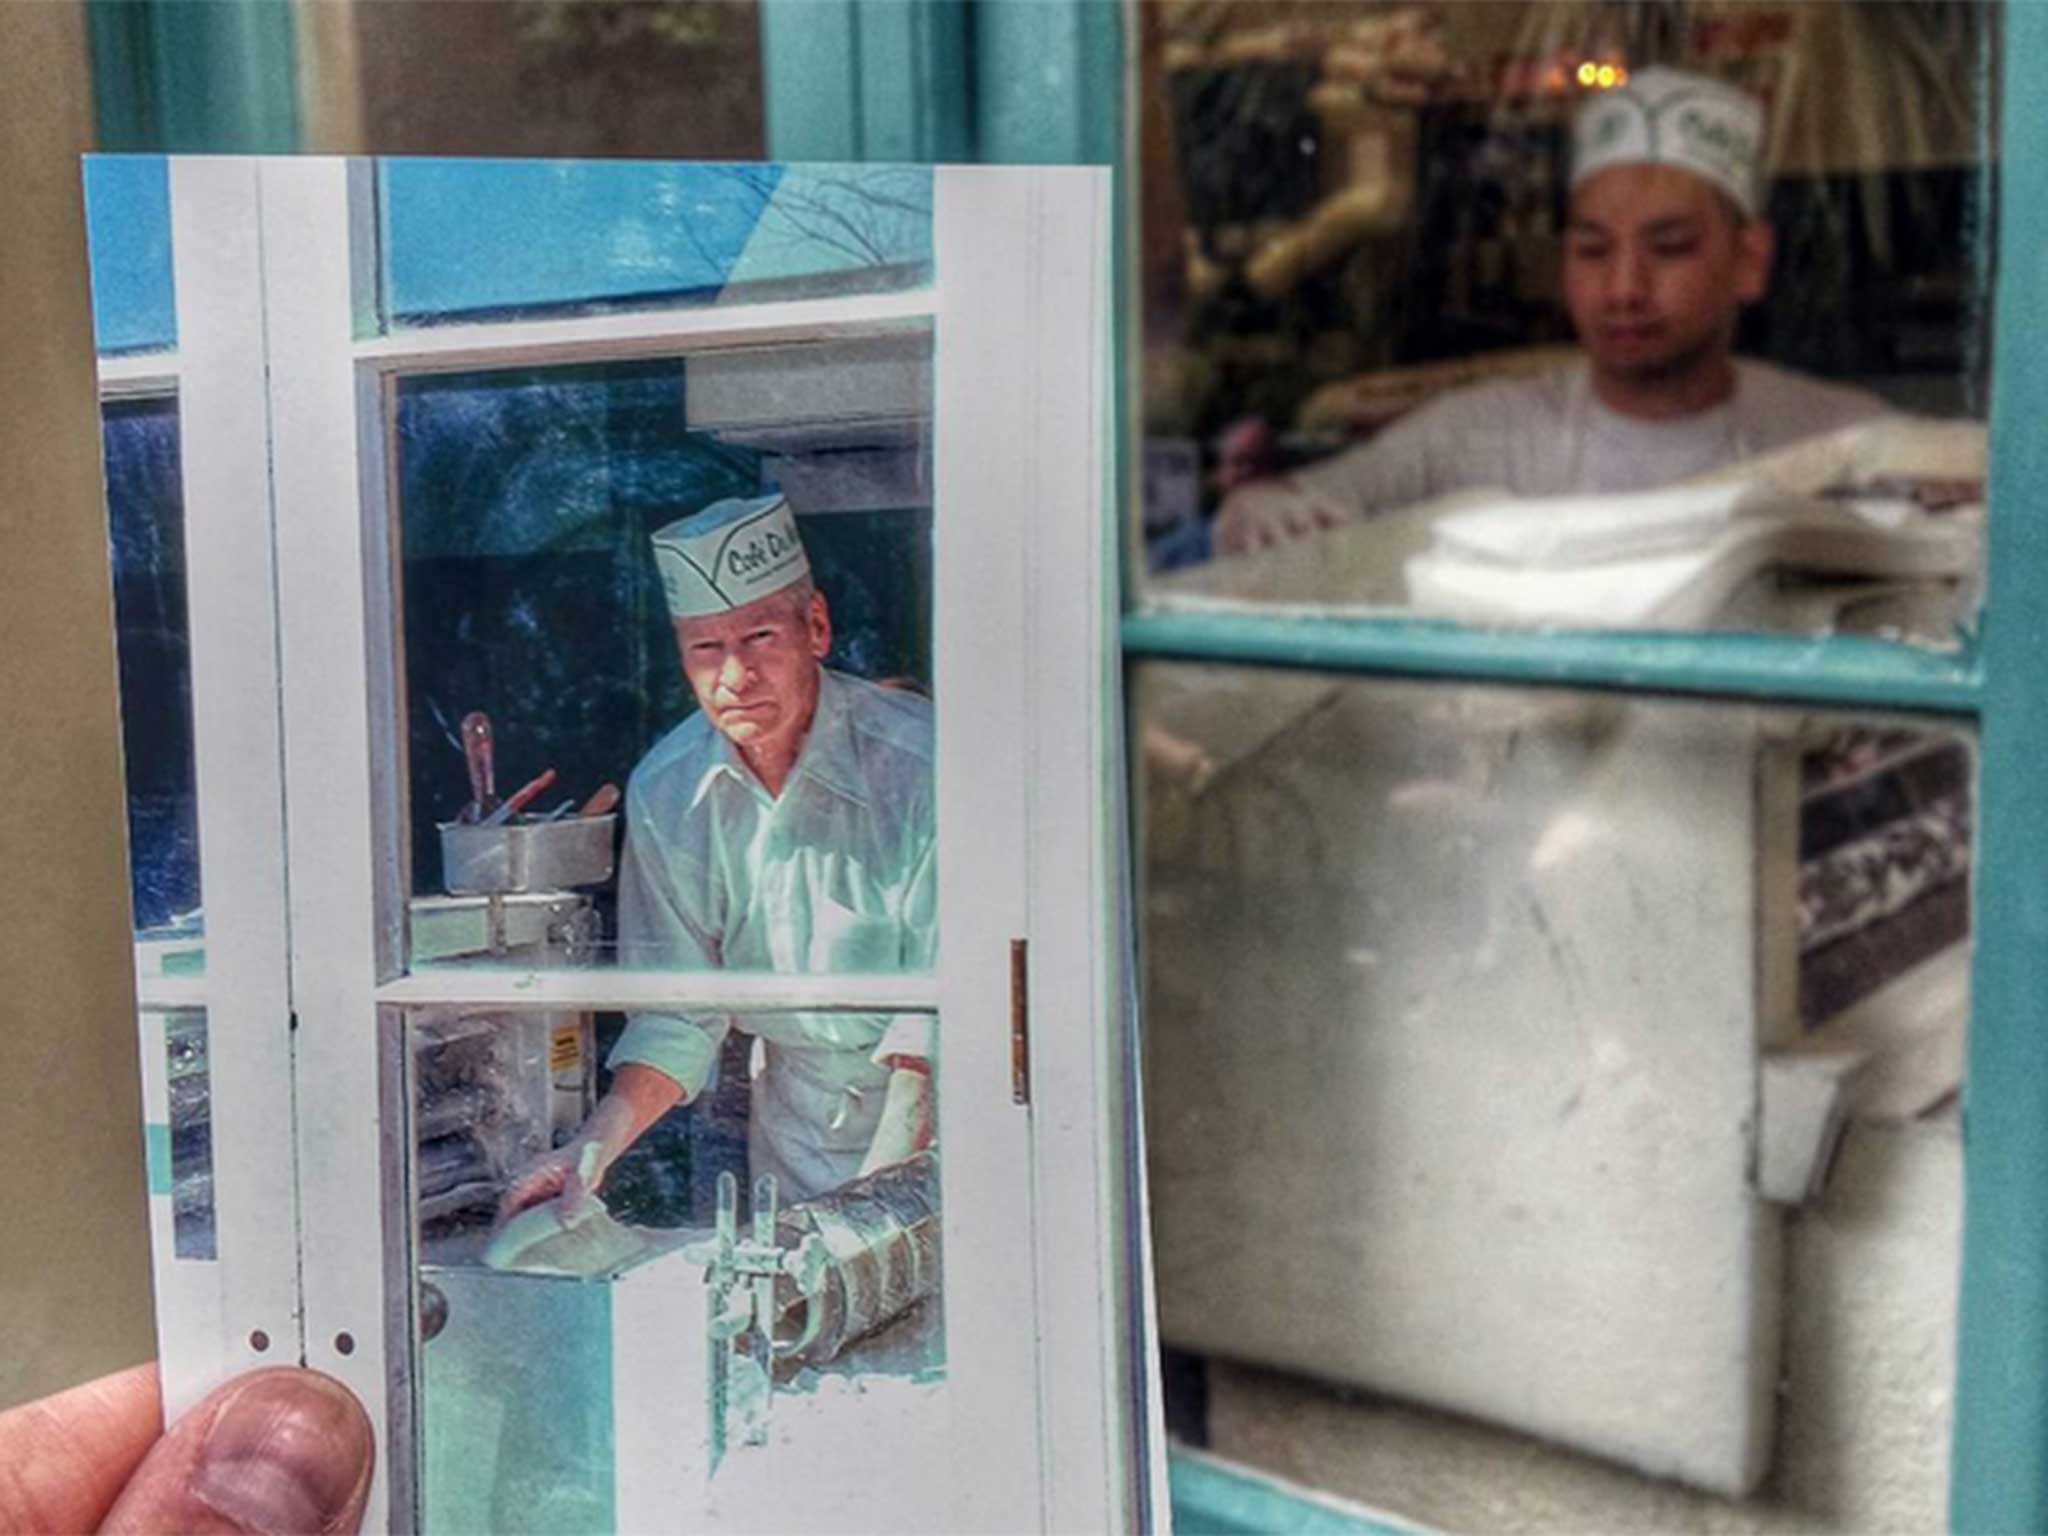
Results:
869 80
1841 671
1211 1497
174 76
1999 1476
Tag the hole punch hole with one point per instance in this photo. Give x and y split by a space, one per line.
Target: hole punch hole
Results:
259 1341
344 1343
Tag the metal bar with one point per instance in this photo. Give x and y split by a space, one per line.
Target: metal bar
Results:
1999 1477
139 375
641 333
511 987
1212 1497
1839 670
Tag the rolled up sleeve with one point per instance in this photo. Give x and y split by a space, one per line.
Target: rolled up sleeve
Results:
657 930
915 1035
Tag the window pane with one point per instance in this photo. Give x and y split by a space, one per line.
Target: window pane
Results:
576 236
536 617
128 226
145 513
191 1136
566 1353
1371 284
1577 1066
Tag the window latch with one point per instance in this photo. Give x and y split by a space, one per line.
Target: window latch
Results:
1020 1022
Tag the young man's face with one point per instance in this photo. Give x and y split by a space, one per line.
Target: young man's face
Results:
754 669
1657 265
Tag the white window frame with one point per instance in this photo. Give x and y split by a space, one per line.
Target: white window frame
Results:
289 534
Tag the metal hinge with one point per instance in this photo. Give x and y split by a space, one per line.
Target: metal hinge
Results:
1020 1022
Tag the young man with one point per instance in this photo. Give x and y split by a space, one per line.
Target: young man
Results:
1663 247
786 826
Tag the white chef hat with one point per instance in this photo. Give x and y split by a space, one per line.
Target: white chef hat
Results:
728 554
1669 117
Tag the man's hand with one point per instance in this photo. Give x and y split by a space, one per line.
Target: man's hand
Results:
1271 512
273 1451
571 1173
905 1125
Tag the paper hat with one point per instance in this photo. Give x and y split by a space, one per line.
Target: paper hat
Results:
1668 117
728 554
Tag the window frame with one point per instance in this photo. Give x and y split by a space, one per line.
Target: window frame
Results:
1999 1447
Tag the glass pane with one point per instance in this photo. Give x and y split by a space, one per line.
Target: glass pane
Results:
540 650
574 237
128 226
691 599
1574 1076
1411 340
145 514
190 1136
584 1360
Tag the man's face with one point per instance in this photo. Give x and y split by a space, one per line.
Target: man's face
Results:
1657 265
754 669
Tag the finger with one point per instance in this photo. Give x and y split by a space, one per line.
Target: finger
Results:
275 1451
531 1189
64 1460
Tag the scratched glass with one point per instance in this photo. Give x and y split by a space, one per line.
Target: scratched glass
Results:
181 1144
1350 211
1552 1065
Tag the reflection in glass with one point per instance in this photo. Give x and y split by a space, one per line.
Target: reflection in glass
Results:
191 1136
578 237
1580 1065
1372 280
145 516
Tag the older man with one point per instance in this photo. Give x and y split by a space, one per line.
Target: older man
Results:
1663 247
786 826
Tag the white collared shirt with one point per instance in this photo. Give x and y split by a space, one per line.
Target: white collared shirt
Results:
1548 435
835 874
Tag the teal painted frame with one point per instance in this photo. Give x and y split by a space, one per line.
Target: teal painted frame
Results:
1840 671
177 77
1999 1480
876 80
1213 1498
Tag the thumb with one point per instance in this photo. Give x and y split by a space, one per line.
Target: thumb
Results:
275 1451
579 1190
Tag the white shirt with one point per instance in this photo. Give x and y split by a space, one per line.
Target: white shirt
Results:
1549 435
835 874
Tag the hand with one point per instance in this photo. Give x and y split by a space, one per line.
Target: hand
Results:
571 1174
1273 512
639 1096
905 1126
276 1450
